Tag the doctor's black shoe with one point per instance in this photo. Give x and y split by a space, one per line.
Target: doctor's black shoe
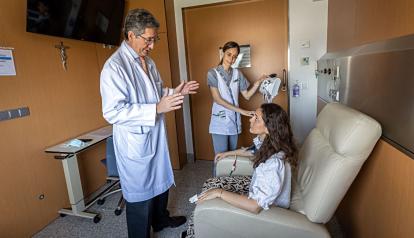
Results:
184 234
173 222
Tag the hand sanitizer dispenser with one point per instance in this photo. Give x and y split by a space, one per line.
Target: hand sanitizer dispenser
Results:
296 90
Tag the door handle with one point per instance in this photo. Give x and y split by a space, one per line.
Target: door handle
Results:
284 81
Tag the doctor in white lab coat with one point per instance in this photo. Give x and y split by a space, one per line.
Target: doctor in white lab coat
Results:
134 101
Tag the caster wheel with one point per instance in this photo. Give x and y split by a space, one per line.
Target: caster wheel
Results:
100 201
97 218
62 215
118 212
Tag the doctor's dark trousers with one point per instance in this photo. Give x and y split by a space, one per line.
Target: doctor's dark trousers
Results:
142 215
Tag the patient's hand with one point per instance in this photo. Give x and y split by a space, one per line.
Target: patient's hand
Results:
222 155
210 194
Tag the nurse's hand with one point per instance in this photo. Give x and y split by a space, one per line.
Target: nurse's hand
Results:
170 103
261 79
247 113
186 88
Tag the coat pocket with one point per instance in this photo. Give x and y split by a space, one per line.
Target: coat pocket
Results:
140 146
220 116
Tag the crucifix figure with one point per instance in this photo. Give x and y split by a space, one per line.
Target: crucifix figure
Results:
63 56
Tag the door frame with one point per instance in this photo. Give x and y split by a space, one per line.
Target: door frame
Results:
179 5
182 63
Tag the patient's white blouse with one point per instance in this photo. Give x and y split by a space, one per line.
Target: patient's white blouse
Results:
271 182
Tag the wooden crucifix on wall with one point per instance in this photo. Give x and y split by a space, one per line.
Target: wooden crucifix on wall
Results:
63 55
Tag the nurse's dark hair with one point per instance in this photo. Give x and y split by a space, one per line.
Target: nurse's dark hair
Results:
229 45
280 137
137 20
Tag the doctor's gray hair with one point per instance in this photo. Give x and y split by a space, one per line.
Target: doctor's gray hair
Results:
137 20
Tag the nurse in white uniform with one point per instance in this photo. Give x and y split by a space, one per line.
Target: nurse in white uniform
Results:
134 101
225 85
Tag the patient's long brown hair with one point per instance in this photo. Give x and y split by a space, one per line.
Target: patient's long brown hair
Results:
280 137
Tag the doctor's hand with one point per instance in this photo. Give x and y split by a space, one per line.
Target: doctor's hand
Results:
186 88
170 103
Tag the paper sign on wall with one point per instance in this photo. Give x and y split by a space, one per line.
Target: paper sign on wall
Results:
7 63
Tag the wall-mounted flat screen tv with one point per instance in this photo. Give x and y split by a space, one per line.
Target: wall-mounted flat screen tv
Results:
90 20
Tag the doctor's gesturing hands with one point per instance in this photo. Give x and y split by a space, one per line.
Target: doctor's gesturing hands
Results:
173 102
170 103
133 93
187 88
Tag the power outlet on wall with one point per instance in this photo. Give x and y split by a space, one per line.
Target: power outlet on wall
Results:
304 44
14 113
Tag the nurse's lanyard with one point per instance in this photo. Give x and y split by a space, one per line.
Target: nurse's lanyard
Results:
232 98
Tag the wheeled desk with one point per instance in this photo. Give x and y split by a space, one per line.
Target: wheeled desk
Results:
68 155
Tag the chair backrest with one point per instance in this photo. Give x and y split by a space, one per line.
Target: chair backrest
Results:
331 157
111 168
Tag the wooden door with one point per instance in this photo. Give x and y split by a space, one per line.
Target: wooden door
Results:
263 25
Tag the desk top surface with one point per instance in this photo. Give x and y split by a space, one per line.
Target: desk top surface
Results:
95 136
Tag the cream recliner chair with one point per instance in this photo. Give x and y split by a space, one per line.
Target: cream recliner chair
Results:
329 160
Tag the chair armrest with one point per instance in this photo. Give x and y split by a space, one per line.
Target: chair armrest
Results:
244 166
216 218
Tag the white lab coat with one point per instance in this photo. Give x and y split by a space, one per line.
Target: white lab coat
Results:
129 100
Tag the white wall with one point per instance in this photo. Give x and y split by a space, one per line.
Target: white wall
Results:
308 21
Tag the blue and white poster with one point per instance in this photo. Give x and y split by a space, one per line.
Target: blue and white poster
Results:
7 63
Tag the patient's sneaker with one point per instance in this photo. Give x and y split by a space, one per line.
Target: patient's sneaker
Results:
173 222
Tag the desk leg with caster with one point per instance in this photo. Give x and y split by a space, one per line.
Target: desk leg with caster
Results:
75 192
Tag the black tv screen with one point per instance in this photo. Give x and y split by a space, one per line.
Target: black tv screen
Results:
90 20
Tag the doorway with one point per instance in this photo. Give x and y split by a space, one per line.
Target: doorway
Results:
261 24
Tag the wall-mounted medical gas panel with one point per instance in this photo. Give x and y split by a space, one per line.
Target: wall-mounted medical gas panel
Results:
377 79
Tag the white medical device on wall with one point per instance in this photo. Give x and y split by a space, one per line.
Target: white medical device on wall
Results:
270 88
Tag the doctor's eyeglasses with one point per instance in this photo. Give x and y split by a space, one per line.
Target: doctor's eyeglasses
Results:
149 40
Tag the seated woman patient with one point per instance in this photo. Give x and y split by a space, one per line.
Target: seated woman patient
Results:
273 153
